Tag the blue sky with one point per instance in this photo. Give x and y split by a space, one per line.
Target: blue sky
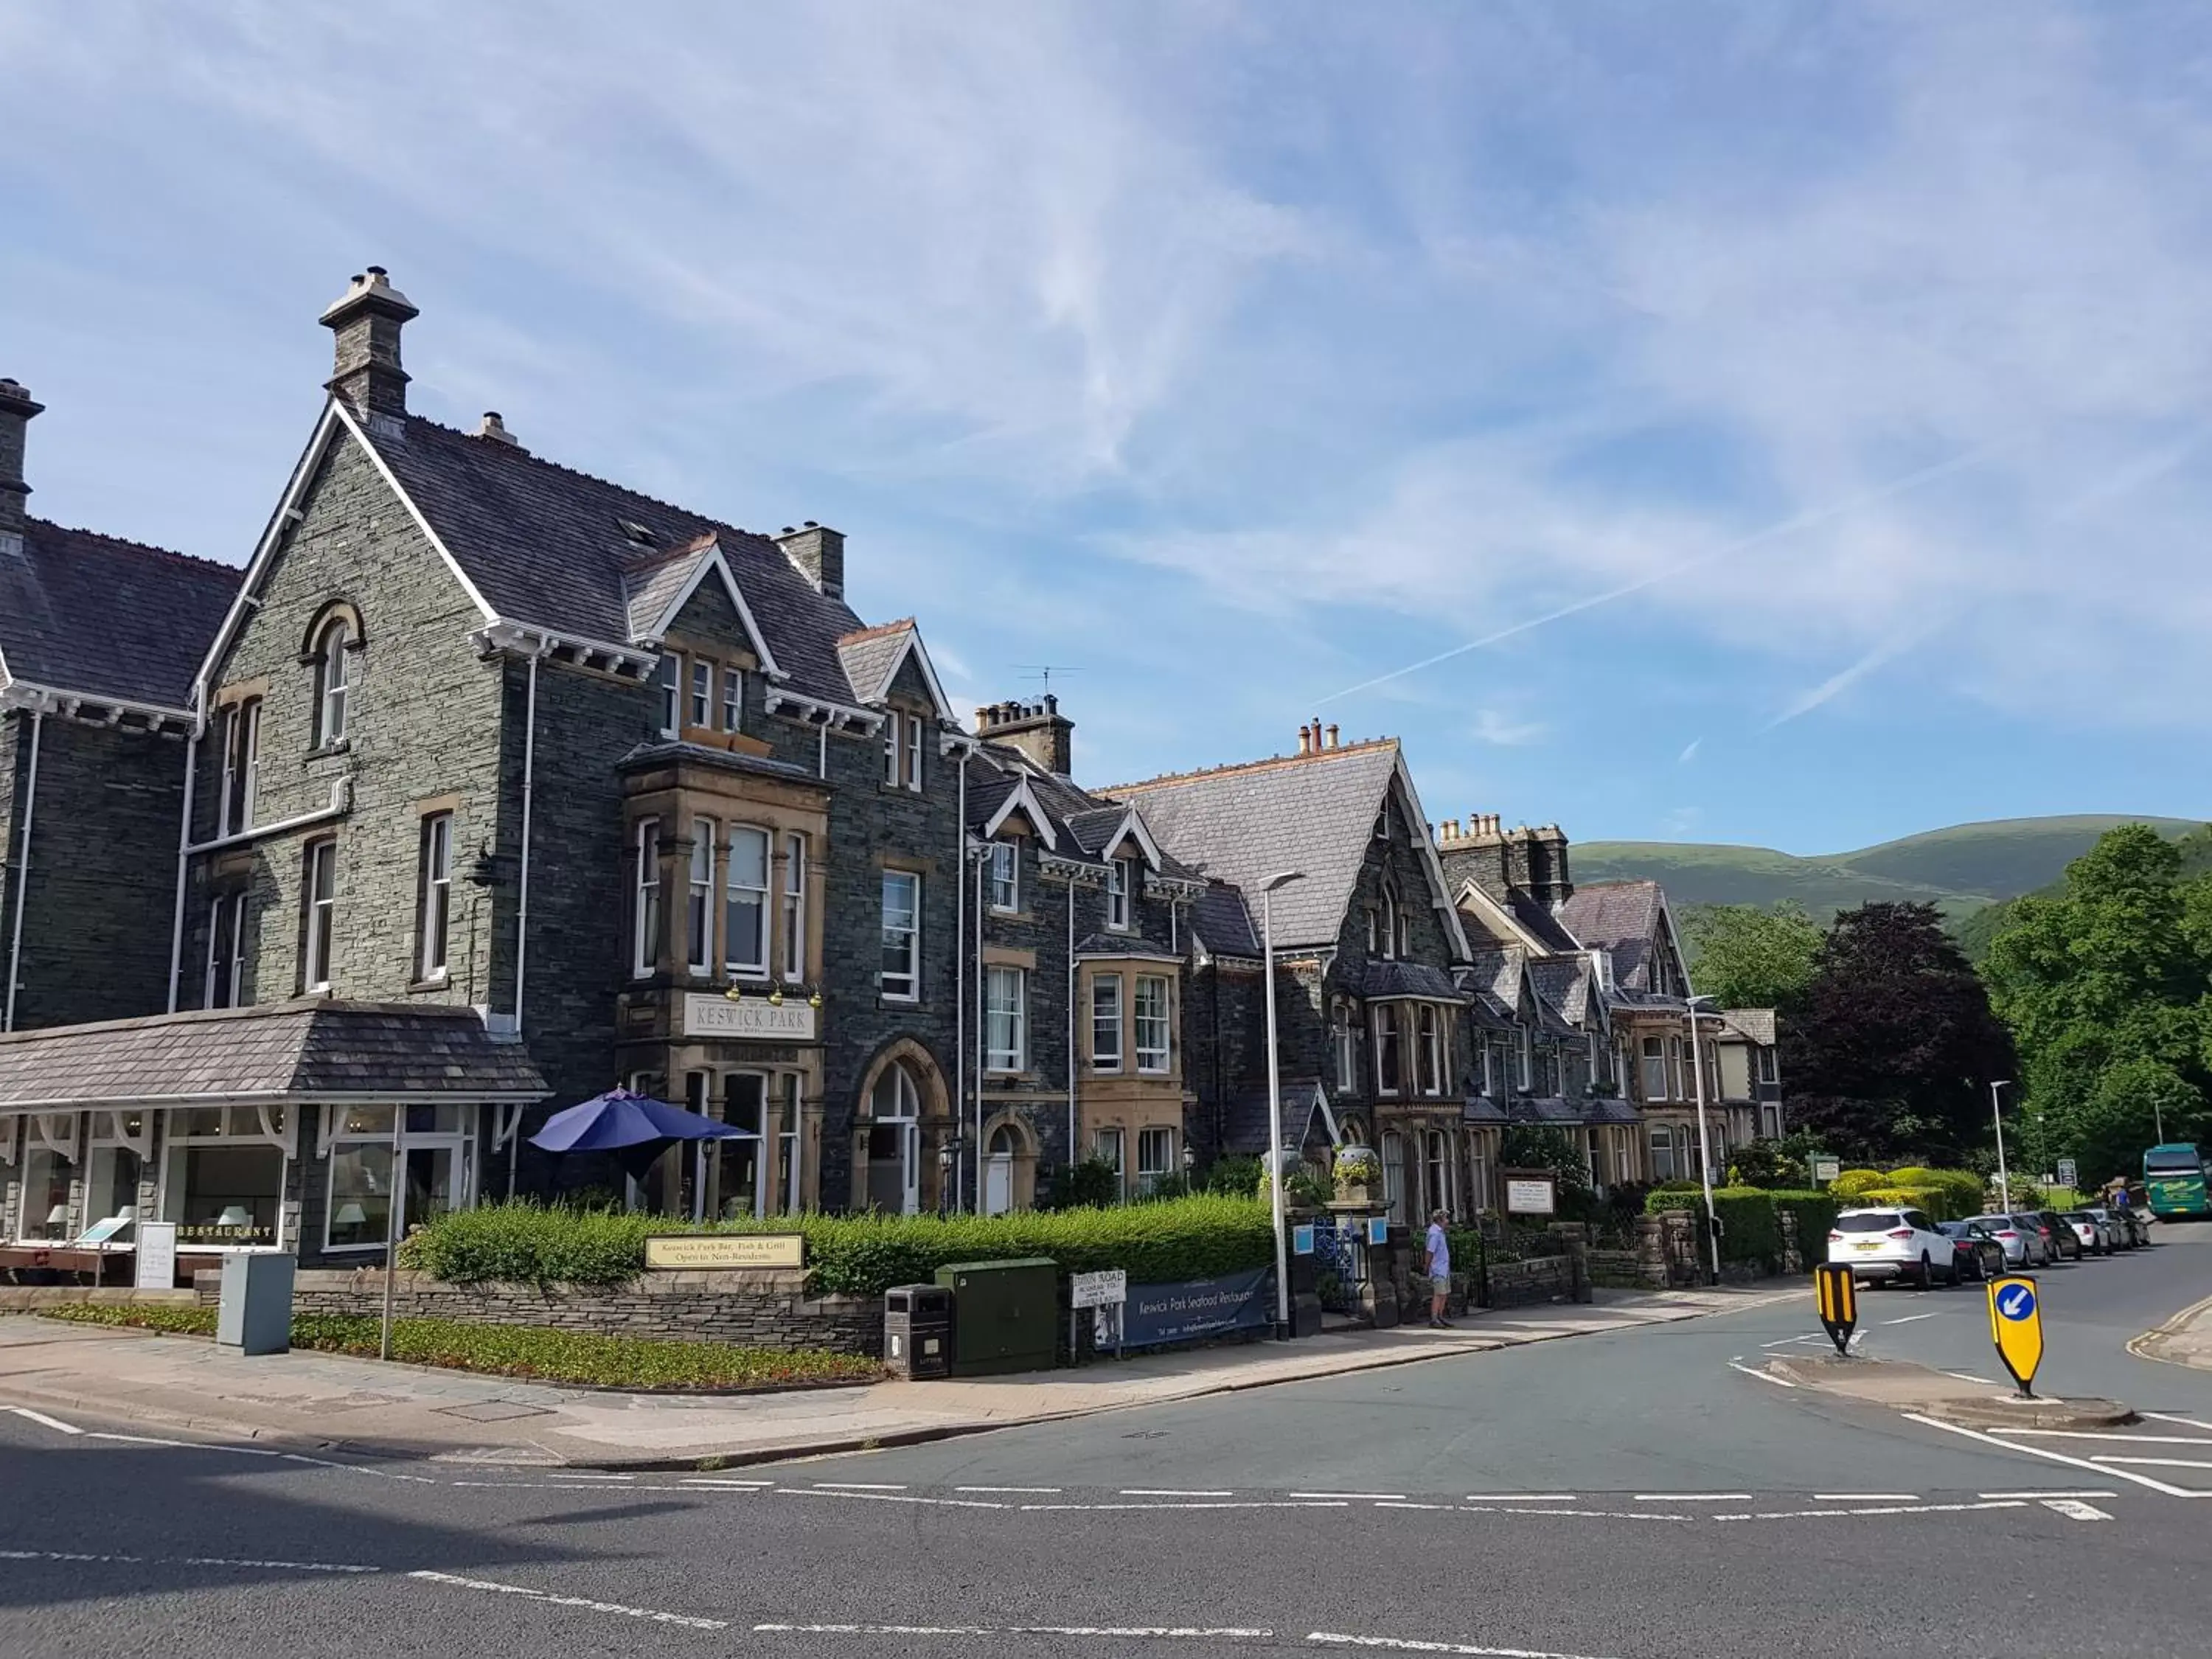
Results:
1803 405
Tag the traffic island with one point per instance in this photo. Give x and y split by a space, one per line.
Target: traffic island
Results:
1908 1388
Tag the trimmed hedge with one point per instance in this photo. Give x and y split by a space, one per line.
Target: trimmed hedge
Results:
1815 1212
1852 1183
616 1362
1193 1237
1963 1186
1751 1219
1939 1203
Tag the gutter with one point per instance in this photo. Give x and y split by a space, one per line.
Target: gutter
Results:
960 987
1071 1020
522 899
23 870
184 864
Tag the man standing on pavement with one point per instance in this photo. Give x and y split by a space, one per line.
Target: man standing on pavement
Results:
1439 1249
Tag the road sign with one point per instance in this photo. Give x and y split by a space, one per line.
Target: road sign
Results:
2016 1327
1838 1295
1099 1290
2070 1172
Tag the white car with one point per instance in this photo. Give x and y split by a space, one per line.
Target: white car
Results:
1891 1243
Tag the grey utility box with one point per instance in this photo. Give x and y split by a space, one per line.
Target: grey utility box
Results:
918 1331
256 1313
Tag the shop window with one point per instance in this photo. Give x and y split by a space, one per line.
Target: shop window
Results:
438 1158
44 1214
224 1180
742 1164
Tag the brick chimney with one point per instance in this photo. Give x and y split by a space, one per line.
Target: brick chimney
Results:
16 409
1038 729
366 319
1476 851
819 553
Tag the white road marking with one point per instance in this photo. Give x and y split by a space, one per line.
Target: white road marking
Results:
44 1421
860 1485
1968 1377
1692 1498
2168 1417
1377 1495
1748 1371
1520 1497
1910 1318
285 1567
1241 1504
2055 1456
350 1468
1126 1632
62 1555
2107 1434
2074 1510
2153 1462
79 1557
1170 1491
1018 1492
1401 1504
896 1497
1868 1497
494 1587
589 1475
1401 1645
734 1485
2048 1494
1900 1509
1579 1515
1787 1341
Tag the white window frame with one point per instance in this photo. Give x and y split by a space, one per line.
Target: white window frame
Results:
699 899
433 911
1005 1019
331 689
225 922
892 748
377 1131
735 893
1109 1145
1527 1059
915 727
1646 1059
241 766
75 1173
1662 1152
793 907
1679 1090
1106 1022
1436 1173
1155 1156
1766 1066
1382 1017
902 985
271 1125
787 1138
318 895
1429 1022
1154 1057
1006 878
1489 1068
1389 925
1345 1041
669 682
645 900
701 704
733 698
1394 1173
1120 887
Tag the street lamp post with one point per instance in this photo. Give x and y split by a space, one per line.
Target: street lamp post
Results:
1704 1143
1275 1171
2004 1182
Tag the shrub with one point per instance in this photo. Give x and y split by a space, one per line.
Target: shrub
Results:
1964 1186
1940 1204
1852 1183
1077 1186
1749 1229
1764 1163
1816 1213
1233 1177
857 1254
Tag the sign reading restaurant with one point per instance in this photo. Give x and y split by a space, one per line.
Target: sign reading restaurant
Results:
667 1251
706 1014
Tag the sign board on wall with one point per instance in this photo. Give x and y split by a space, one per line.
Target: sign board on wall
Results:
1532 1194
1098 1290
706 1251
707 1015
1825 1169
157 1255
1198 1307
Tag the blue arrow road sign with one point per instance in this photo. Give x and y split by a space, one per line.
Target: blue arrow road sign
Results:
2016 1301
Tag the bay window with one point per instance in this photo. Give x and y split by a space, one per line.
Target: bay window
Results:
1655 1069
1155 1157
899 975
1006 1019
319 894
1438 1163
744 924
1344 1039
435 899
1152 1022
1432 1052
645 903
794 907
1106 1023
1388 1058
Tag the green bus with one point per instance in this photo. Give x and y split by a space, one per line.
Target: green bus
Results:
2173 1175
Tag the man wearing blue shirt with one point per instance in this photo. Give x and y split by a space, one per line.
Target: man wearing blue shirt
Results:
1439 1249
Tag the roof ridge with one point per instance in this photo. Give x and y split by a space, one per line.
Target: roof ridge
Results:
1343 749
859 634
201 560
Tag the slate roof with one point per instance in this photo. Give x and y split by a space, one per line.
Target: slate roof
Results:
1122 944
1563 982
1481 1108
284 1052
1622 917
1756 1024
871 657
548 547
1223 923
1408 979
1244 1118
727 760
1536 916
103 617
1081 823
1607 1109
1496 974
1245 823
1548 1109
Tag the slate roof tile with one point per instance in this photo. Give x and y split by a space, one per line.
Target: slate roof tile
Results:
104 617
1622 917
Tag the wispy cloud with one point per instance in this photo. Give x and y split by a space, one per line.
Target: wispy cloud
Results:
1689 751
1494 726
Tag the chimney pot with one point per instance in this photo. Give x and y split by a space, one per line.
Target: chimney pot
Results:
1305 740
1332 736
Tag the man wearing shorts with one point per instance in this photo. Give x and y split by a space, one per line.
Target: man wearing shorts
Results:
1439 1249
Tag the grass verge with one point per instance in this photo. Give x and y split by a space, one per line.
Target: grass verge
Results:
522 1351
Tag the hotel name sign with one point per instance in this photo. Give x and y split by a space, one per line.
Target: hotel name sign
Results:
706 1014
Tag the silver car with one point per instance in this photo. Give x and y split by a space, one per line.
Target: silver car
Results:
2023 1245
2122 1235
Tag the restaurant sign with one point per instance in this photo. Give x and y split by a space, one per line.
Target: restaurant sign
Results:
708 1015
697 1252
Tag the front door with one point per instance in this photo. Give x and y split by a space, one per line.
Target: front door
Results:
893 1168
998 1183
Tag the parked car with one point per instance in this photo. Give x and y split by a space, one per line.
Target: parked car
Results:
2022 1244
2064 1246
1980 1254
2045 1242
2094 1237
1894 1243
2135 1219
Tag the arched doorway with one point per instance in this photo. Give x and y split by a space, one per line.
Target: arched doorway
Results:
894 1141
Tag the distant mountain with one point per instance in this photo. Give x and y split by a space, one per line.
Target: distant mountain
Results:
1961 870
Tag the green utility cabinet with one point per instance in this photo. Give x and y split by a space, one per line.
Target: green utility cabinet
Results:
1006 1314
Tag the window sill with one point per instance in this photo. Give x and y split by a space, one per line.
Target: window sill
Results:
443 983
325 752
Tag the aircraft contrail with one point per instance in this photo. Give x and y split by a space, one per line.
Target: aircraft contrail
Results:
1795 522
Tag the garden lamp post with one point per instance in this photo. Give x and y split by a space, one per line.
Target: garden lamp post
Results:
2004 1183
1275 1173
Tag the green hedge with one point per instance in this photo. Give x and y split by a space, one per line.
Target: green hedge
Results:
617 1362
1751 1219
1816 1213
1963 1187
1941 1204
1195 1237
1852 1183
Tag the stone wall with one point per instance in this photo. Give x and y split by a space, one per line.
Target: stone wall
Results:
758 1307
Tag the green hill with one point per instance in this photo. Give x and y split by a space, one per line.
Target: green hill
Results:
1962 870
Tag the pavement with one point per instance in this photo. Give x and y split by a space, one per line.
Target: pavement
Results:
1643 1491
2184 1340
331 1402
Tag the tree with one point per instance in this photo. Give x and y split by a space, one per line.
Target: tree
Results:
1750 957
1892 1045
2106 983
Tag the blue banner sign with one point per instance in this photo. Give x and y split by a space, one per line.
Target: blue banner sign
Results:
1198 1307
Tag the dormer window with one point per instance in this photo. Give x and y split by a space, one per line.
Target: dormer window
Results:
330 682
702 694
637 535
1120 881
1006 877
733 698
669 683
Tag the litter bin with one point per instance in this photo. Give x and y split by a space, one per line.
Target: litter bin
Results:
1006 1314
255 1315
918 1331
